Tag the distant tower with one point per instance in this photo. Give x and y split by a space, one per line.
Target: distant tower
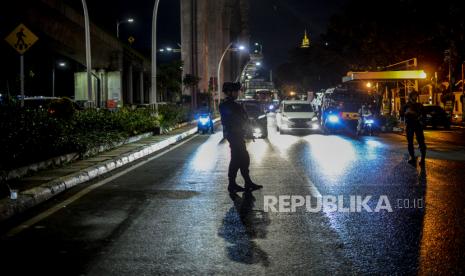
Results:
305 41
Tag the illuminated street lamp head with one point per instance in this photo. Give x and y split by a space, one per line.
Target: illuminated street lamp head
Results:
292 93
169 49
62 64
241 47
130 20
258 63
368 84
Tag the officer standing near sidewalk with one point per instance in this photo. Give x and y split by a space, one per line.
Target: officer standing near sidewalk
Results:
235 121
412 111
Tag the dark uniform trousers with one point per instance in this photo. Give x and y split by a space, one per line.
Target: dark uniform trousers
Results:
415 128
240 159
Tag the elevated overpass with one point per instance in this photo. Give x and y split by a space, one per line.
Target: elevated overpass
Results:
120 74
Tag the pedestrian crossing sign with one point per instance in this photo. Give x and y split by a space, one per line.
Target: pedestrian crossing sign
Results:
21 39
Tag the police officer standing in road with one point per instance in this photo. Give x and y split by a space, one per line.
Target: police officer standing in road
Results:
235 120
412 111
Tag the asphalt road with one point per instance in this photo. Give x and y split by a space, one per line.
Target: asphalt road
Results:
172 215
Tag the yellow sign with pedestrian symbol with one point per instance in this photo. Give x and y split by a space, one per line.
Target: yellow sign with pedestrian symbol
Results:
21 39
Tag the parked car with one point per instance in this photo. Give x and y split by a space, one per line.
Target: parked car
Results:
434 116
36 102
258 122
296 115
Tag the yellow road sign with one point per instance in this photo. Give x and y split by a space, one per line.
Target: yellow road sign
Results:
21 39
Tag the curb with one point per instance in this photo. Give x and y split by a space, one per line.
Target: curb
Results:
34 196
66 158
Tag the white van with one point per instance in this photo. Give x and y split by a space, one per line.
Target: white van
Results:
296 115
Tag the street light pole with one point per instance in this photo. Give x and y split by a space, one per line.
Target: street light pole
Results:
88 53
153 95
129 20
218 81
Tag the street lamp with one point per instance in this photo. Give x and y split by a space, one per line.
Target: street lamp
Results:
153 95
218 75
170 49
88 52
129 20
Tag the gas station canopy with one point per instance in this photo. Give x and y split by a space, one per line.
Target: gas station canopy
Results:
385 75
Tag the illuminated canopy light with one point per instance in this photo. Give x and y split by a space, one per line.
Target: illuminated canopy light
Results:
386 75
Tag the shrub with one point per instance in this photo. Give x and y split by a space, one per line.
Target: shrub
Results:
170 115
29 136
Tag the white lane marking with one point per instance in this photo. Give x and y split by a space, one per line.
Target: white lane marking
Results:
87 190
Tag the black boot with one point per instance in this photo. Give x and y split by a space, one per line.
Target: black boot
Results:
412 161
234 188
250 186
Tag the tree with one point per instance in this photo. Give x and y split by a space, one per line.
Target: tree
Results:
191 81
169 81
360 39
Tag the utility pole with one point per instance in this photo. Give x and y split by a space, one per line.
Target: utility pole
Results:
88 53
153 94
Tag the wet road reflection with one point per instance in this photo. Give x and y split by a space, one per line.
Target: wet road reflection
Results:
386 242
241 226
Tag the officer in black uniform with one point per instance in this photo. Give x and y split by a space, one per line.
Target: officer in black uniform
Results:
235 120
412 111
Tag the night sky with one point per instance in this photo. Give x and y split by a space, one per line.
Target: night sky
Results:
277 24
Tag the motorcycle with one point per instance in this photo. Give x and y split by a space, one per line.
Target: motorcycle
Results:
367 126
205 124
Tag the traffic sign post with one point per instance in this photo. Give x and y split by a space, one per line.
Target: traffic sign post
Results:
21 76
21 39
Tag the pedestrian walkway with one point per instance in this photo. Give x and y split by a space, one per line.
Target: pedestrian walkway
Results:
43 185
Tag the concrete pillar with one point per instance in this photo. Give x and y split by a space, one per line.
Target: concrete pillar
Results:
103 87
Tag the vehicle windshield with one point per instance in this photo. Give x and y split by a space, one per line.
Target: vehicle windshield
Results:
298 108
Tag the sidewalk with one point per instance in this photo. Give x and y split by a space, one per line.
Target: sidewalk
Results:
43 185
